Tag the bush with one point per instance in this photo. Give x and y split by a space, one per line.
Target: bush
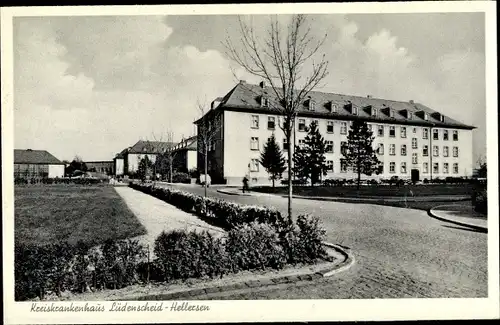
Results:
181 178
183 255
255 246
56 180
480 200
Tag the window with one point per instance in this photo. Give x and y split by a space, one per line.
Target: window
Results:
343 166
425 133
264 101
414 130
435 168
329 127
302 124
392 167
403 132
254 143
426 116
414 143
445 135
425 169
370 127
414 158
374 111
254 165
446 151
329 165
329 146
311 105
343 128
410 115
343 147
435 151
285 145
334 108
380 131
302 142
354 110
435 134
271 122
403 167
445 168
403 150
391 113
392 131
425 151
392 149
455 151
255 121
455 135
455 168
380 149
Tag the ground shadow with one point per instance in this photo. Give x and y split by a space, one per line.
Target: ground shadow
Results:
466 229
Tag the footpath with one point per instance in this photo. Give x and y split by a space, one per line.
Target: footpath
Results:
461 215
157 216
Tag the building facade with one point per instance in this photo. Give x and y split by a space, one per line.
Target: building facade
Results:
127 161
410 138
185 155
36 164
103 167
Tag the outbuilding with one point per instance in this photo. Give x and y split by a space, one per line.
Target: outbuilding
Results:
36 164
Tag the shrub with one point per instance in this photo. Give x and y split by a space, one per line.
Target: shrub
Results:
255 246
480 200
182 255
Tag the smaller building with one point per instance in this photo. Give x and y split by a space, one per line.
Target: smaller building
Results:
127 161
102 167
36 164
185 155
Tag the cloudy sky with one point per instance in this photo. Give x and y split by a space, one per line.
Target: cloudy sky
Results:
91 86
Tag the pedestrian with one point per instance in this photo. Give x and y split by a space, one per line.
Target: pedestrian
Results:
245 184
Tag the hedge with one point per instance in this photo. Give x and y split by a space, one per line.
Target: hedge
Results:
56 180
221 213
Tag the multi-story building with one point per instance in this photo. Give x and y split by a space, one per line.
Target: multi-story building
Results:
103 167
184 155
127 161
410 138
36 164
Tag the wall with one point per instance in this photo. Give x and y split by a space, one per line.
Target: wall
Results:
119 167
192 159
56 170
237 152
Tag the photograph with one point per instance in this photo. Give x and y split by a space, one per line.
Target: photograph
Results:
249 162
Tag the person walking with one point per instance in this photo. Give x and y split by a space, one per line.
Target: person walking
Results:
245 184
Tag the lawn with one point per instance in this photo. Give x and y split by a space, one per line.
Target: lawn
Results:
72 213
373 190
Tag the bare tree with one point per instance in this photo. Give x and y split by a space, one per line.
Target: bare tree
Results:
163 151
208 134
279 58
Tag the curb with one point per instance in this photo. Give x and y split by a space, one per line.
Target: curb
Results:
347 263
232 193
366 200
432 214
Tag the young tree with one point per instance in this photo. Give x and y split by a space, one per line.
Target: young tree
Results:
209 126
165 159
272 159
309 160
358 152
280 58
143 170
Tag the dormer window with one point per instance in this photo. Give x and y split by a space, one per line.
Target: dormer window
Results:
391 113
410 115
333 107
264 101
426 116
354 110
311 105
441 118
373 111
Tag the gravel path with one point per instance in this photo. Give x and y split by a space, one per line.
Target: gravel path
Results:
157 216
399 253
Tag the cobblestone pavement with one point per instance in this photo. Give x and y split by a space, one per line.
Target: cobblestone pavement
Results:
399 253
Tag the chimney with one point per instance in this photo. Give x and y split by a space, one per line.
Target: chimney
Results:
262 84
411 101
368 96
29 149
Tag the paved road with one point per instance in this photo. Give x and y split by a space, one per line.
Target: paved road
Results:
399 252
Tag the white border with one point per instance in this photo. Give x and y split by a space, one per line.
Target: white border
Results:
269 310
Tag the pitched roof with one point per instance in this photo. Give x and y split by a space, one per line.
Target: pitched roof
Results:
29 156
150 146
247 97
187 144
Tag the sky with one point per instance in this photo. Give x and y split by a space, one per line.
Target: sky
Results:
94 85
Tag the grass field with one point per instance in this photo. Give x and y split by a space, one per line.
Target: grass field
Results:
71 213
373 190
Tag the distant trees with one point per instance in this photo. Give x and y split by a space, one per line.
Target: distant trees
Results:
271 158
358 152
309 159
77 165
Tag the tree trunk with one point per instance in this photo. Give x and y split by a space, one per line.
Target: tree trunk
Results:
290 190
171 171
273 183
206 170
